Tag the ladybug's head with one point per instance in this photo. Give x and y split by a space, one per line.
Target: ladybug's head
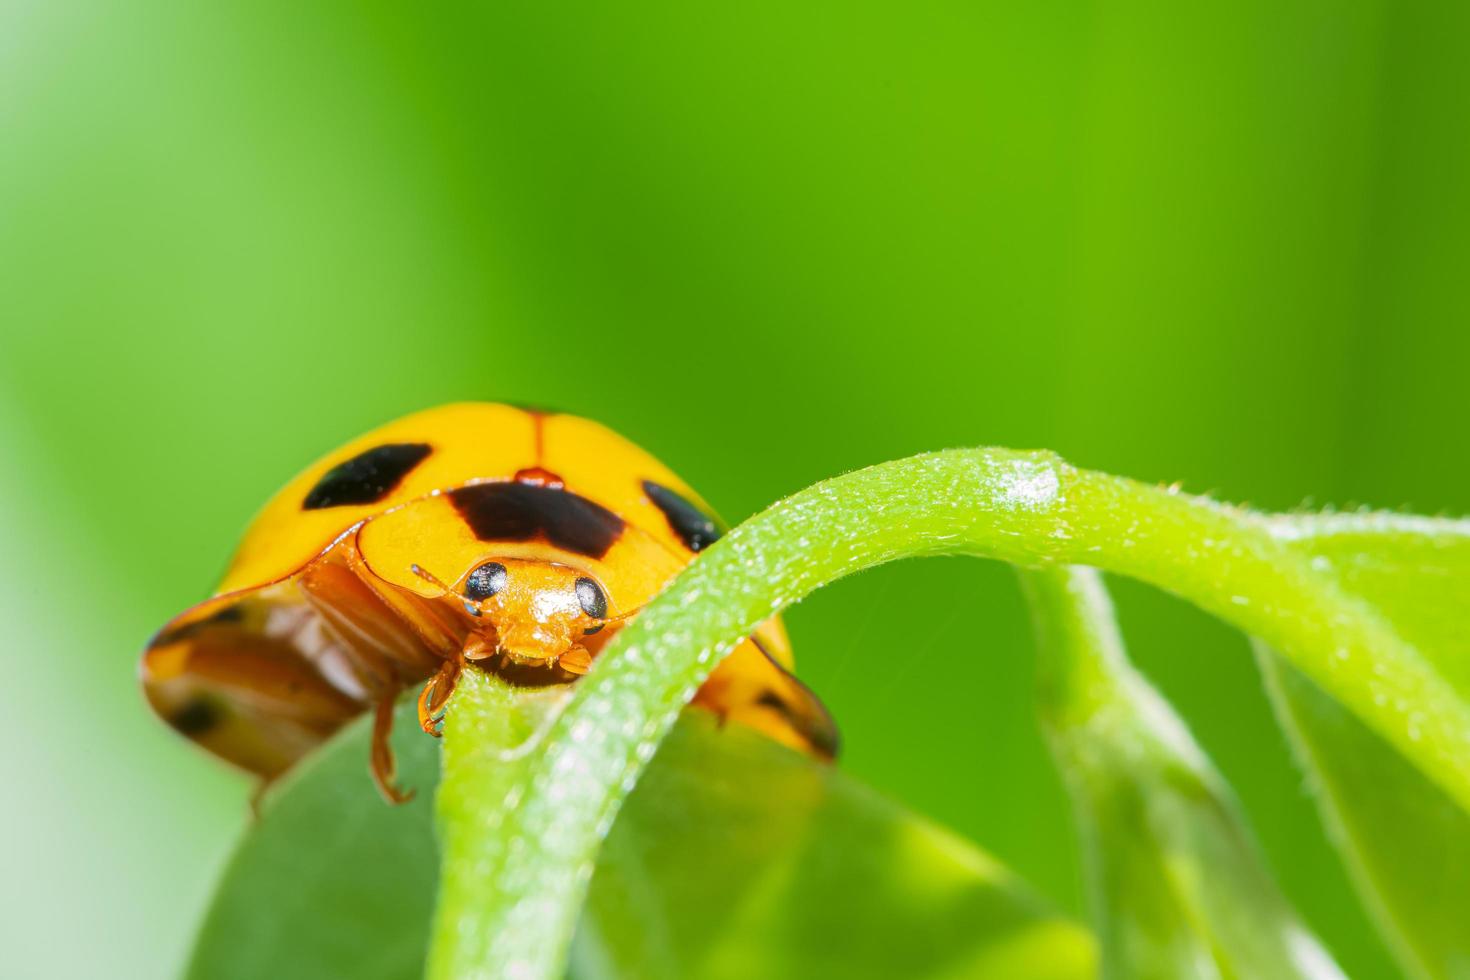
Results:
533 613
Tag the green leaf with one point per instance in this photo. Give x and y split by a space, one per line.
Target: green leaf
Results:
733 857
1406 841
1178 888
328 881
736 857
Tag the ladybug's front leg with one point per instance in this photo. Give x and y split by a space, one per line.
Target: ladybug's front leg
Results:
435 695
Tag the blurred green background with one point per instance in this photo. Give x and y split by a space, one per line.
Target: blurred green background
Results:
1225 244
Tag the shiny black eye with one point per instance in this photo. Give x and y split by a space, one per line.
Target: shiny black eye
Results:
485 581
592 599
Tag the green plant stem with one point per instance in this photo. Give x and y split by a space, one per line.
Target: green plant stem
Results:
511 894
1081 668
1176 885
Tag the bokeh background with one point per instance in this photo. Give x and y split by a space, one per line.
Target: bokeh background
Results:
1225 244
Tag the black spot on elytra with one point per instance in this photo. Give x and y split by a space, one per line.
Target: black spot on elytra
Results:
772 700
226 616
524 511
195 717
693 526
367 477
812 721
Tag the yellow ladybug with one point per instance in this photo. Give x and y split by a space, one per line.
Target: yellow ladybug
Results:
510 540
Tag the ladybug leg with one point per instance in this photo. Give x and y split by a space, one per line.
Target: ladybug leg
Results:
257 798
435 695
443 688
384 767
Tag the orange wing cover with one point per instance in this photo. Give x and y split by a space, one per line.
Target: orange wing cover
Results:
320 616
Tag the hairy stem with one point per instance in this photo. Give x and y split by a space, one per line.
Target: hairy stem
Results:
1177 887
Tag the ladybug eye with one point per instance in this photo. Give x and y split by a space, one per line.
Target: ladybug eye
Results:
592 599
486 580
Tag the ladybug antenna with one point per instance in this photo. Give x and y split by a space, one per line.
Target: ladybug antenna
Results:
429 577
621 616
